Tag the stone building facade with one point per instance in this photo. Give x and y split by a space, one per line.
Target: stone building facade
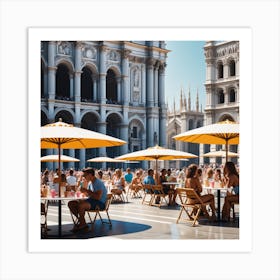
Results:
222 86
187 117
112 87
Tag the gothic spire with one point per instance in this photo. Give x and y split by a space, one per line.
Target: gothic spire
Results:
189 100
197 101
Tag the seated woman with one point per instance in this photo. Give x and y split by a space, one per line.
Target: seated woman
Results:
118 183
136 184
193 182
231 179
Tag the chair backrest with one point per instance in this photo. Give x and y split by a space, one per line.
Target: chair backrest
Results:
147 188
192 194
182 194
158 189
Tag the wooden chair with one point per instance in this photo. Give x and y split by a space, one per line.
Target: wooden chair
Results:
197 206
134 191
233 209
147 191
44 211
97 211
158 192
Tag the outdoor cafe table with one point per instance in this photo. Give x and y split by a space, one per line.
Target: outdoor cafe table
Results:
218 189
59 199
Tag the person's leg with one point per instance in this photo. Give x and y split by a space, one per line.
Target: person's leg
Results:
73 206
210 198
83 207
227 205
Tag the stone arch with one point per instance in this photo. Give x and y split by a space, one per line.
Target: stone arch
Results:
224 117
96 115
114 68
66 62
92 67
67 115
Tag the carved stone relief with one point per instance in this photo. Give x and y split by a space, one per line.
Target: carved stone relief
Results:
64 48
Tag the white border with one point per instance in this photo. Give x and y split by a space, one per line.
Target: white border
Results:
36 35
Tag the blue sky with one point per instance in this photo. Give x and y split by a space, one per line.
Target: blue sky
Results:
185 68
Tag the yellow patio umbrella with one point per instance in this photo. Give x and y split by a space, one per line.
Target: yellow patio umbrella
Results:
61 135
55 158
225 132
104 159
220 153
157 153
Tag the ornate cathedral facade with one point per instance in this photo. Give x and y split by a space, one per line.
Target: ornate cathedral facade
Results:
112 87
222 102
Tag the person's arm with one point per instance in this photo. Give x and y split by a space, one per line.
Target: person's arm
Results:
199 187
94 195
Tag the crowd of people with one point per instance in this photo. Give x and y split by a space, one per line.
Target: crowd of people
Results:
93 183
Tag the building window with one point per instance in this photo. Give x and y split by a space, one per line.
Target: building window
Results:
232 95
62 83
232 68
86 85
220 70
134 132
221 97
111 87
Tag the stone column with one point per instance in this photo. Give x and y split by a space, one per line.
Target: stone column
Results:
161 84
102 75
51 78
94 94
71 154
71 86
124 136
150 127
102 151
156 98
162 126
143 85
82 162
150 82
125 75
119 97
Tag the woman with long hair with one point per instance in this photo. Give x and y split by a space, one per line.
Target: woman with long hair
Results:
193 182
231 180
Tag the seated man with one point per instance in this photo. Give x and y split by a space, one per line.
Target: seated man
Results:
128 176
97 195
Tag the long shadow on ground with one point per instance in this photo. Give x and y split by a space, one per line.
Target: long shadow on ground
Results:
99 230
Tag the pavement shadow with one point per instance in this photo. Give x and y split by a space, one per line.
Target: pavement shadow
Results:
99 230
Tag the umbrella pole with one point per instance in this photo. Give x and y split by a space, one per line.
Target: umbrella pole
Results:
59 193
226 149
156 171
